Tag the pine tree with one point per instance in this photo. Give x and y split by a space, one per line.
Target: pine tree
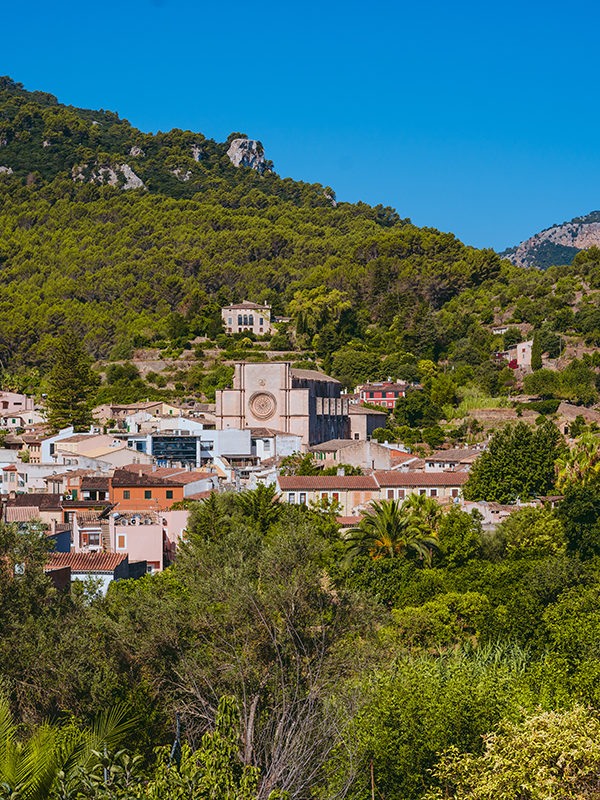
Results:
536 353
72 384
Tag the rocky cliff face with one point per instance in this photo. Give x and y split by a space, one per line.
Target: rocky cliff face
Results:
247 153
558 244
117 175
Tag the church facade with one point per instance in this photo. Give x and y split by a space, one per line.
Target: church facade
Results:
273 394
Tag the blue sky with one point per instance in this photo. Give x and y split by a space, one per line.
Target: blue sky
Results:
477 118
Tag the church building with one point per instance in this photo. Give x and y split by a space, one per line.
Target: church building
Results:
301 401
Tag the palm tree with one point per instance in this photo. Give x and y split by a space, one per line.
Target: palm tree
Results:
29 769
388 531
261 505
424 511
581 465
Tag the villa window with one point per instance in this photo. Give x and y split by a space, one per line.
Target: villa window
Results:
147 494
169 494
126 494
303 498
291 497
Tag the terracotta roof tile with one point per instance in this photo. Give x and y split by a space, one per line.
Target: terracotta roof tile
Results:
86 562
396 478
325 482
127 477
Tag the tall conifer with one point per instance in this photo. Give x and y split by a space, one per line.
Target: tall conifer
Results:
72 384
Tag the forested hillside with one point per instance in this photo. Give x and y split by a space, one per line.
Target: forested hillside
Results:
116 263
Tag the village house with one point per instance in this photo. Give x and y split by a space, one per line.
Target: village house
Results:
247 316
363 421
136 491
102 567
382 393
519 356
445 487
15 403
367 455
457 459
350 491
46 508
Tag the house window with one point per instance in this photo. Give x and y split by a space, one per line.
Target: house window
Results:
357 435
422 492
121 541
240 319
94 539
147 494
454 492
230 321
324 496
169 494
291 497
303 498
251 319
390 494
74 494
400 494
433 493
126 494
336 497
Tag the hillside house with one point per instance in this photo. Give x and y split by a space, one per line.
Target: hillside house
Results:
445 487
363 421
350 491
367 455
383 393
137 491
247 316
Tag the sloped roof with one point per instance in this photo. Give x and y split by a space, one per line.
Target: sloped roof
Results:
334 444
457 454
86 562
353 408
326 482
396 478
241 306
311 375
22 513
94 482
44 501
127 477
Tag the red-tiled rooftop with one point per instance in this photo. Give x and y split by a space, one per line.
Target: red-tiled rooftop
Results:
127 477
397 478
317 482
86 562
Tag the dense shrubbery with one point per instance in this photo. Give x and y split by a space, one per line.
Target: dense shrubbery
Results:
330 667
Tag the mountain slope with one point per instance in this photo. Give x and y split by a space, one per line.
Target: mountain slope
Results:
558 244
83 245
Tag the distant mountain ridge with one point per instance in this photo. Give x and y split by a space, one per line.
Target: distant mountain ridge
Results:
558 244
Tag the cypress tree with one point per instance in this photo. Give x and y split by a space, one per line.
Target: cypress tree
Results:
536 353
72 384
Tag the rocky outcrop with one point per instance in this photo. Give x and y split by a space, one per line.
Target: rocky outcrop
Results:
558 244
136 151
6 170
247 153
181 175
117 175
196 152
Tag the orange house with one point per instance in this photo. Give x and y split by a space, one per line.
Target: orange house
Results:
138 491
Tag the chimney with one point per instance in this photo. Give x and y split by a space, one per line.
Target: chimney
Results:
141 473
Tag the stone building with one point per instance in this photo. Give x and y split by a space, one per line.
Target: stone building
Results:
247 316
305 402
